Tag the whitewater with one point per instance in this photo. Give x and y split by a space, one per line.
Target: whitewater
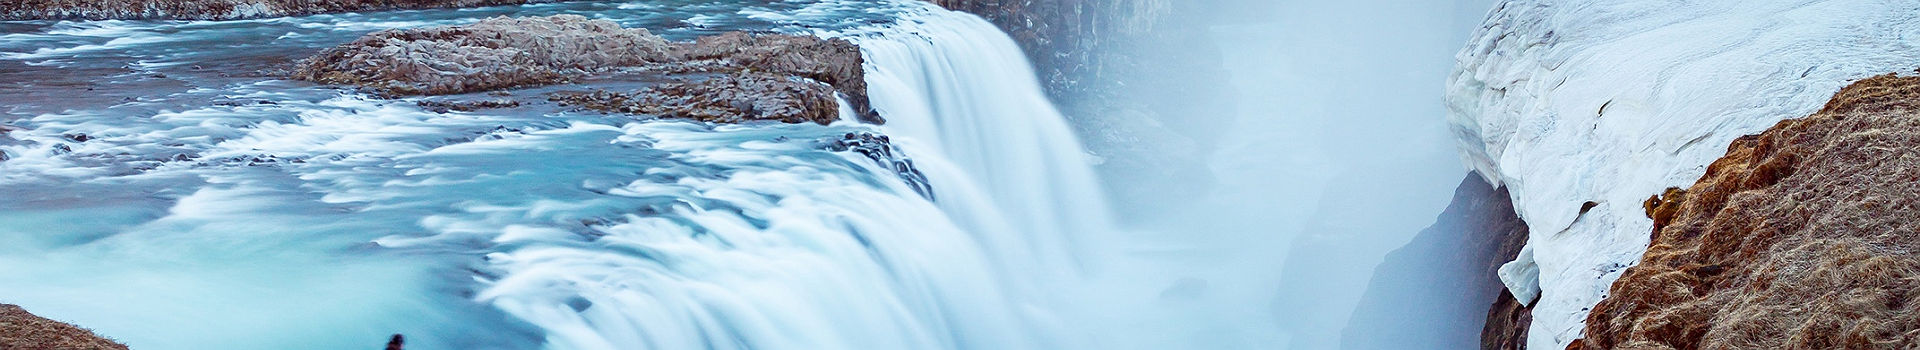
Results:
165 188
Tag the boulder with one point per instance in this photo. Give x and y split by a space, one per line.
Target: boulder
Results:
496 53
728 77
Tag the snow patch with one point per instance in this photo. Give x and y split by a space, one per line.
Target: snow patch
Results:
1585 108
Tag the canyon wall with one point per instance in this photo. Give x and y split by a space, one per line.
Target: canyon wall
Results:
1445 276
1583 109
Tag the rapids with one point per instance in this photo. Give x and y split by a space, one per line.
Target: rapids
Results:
165 188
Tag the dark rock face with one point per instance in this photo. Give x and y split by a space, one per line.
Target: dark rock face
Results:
1067 38
836 62
1508 320
467 106
787 78
1801 237
214 9
880 149
733 98
1446 275
22 330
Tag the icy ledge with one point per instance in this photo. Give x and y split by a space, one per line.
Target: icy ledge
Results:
1583 109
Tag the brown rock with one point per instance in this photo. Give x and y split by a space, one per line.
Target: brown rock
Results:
796 76
494 54
13 10
1802 237
836 62
733 98
20 330
1507 321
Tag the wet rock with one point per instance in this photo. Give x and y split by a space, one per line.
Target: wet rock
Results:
466 106
836 62
731 98
214 9
880 149
496 53
1801 237
20 329
502 53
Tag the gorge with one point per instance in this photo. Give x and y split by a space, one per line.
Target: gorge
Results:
956 174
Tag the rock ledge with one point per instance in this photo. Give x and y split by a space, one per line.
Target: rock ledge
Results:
729 77
1806 236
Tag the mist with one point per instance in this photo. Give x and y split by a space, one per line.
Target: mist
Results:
1333 154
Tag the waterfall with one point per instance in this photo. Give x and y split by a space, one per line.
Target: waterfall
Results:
951 83
792 255
281 214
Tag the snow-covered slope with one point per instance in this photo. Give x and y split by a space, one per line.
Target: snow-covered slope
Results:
1583 109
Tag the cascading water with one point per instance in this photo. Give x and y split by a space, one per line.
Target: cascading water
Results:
961 88
952 87
313 218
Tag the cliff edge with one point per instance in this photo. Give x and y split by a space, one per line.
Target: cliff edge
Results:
1584 108
1801 237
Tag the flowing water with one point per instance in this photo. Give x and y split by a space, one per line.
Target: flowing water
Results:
162 186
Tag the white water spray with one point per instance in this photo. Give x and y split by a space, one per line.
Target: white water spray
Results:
785 256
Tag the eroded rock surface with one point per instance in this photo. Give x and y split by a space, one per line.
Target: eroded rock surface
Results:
496 53
1805 236
731 98
214 9
22 330
836 62
789 78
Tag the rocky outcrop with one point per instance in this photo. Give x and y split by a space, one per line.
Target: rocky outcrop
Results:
880 149
494 54
762 76
732 98
1508 322
1802 237
1584 108
12 10
21 330
836 62
1446 276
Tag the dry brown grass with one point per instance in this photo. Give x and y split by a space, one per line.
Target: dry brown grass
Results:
1802 237
20 330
